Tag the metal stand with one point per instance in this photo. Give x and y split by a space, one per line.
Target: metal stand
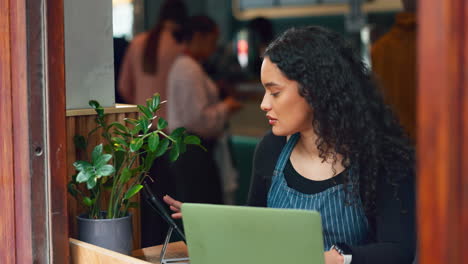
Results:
163 252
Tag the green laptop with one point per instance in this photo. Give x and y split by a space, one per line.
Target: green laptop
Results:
237 234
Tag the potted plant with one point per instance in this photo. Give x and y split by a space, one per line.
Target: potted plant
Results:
105 182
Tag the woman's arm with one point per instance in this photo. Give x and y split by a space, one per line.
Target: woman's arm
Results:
395 235
264 161
258 189
126 82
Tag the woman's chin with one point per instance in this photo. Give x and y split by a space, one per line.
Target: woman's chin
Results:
279 132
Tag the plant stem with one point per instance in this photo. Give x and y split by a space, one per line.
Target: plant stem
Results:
165 135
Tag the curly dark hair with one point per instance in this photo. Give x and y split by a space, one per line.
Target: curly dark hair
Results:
350 117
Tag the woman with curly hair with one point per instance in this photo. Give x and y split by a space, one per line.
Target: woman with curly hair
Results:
336 148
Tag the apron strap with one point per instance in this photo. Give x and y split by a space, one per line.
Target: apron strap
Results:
286 152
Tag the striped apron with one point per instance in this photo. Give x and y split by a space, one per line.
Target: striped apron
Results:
341 223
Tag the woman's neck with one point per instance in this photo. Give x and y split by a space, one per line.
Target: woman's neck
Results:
192 52
308 143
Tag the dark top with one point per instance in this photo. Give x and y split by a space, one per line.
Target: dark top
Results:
307 186
392 228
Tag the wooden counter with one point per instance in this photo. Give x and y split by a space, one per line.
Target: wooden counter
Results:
152 254
84 253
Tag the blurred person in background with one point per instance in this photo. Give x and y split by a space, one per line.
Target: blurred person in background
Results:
194 103
150 55
394 64
260 35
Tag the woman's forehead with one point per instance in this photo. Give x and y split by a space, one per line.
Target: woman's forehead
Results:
271 73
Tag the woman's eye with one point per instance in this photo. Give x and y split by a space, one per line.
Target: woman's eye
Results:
274 94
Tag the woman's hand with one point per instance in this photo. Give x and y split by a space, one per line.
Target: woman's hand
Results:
174 205
333 257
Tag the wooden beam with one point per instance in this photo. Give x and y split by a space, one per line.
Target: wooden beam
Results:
442 149
55 50
19 81
7 184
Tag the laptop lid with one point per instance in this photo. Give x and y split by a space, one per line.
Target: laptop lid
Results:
238 234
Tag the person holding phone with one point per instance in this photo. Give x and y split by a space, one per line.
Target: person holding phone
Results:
335 147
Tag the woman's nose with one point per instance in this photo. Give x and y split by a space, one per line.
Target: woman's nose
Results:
265 105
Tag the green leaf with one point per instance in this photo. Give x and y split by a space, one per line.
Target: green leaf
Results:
94 104
72 189
178 132
182 147
125 135
192 140
100 112
80 142
162 147
107 148
155 102
149 102
87 201
81 165
131 121
119 157
136 144
153 141
136 129
145 110
134 190
120 141
162 124
97 107
126 175
101 160
97 151
84 175
148 162
144 124
174 153
119 126
91 183
105 170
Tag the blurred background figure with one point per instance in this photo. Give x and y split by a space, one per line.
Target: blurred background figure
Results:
260 35
394 63
144 72
120 46
151 54
194 103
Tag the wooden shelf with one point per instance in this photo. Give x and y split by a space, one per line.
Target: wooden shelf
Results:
118 108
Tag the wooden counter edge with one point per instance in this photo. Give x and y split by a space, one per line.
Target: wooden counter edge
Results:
154 252
85 253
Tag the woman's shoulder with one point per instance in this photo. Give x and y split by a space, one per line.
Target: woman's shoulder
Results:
139 40
186 63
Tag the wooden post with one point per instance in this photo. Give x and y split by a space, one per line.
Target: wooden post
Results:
443 131
32 133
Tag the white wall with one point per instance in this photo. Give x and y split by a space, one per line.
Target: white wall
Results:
89 62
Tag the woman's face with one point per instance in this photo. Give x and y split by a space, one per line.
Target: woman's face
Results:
286 110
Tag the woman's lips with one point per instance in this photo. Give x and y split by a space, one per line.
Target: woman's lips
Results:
272 120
